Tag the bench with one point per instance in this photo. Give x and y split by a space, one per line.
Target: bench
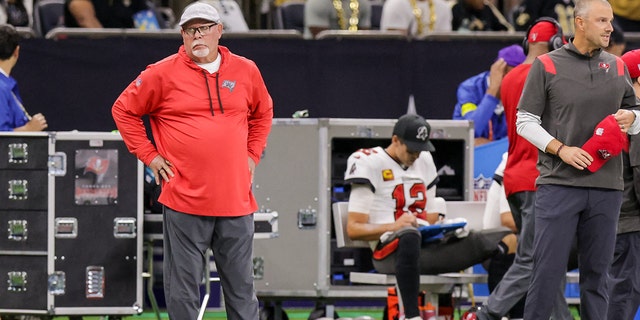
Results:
473 211
433 284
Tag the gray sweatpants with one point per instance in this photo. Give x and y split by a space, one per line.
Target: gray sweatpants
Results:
515 283
186 240
562 212
624 294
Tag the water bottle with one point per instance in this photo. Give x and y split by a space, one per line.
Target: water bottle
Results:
428 312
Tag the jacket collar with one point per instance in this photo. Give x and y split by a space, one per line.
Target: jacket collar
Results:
589 55
222 51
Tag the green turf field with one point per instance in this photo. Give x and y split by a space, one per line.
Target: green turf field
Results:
293 313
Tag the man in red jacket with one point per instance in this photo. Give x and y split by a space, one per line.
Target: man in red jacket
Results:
210 115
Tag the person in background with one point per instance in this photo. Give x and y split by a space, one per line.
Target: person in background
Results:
498 213
13 115
617 44
519 182
231 15
479 97
531 10
574 109
624 276
507 7
320 15
179 5
18 12
478 15
102 14
627 14
210 115
416 18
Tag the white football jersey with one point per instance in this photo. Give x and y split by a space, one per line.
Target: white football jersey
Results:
497 203
397 190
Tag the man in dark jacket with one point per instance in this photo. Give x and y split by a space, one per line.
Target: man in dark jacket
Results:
624 285
101 14
567 95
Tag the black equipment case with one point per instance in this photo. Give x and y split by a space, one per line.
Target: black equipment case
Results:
70 224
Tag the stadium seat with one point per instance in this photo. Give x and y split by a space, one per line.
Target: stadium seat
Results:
376 15
48 14
290 15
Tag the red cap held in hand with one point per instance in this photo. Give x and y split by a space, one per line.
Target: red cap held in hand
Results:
607 142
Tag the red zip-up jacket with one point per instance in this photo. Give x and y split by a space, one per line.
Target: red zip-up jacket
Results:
206 125
521 172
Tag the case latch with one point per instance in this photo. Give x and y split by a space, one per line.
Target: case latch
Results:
18 153
18 189
17 281
258 268
57 283
18 230
307 218
58 164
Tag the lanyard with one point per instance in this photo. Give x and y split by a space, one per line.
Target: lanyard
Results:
21 106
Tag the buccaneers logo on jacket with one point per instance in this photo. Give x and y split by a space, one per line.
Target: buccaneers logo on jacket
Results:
229 85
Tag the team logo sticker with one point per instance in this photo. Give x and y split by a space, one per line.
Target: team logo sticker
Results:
229 85
387 175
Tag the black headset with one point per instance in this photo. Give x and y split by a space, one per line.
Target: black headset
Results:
556 41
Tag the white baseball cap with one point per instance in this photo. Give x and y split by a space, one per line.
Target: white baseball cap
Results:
199 10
